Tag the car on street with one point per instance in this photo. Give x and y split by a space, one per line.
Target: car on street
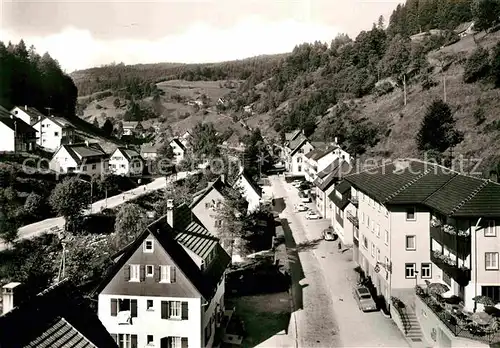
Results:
296 183
312 216
364 299
304 198
328 235
300 208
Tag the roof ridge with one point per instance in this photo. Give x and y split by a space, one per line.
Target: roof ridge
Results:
469 197
408 184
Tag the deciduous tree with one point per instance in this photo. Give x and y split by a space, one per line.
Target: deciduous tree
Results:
131 220
69 198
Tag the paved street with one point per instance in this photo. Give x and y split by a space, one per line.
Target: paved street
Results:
326 314
111 202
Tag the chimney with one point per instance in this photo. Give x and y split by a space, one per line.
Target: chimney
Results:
25 107
86 143
170 212
303 133
336 140
223 178
8 297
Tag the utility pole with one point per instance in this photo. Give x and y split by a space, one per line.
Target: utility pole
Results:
48 110
404 88
444 86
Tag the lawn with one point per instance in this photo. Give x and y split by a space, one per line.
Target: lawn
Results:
264 316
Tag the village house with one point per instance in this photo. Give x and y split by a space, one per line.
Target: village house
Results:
126 161
464 29
344 216
422 224
129 127
58 317
179 150
321 157
167 288
28 114
249 190
54 132
149 152
16 134
295 152
84 158
186 139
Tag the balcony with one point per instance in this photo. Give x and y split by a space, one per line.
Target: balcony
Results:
453 316
353 219
356 233
448 266
354 200
458 243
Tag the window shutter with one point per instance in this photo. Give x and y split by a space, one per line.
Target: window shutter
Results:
184 342
172 274
142 273
157 274
184 311
115 337
114 307
133 341
126 272
164 309
133 308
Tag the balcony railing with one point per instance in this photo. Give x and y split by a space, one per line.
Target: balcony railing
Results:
460 244
460 323
353 219
460 274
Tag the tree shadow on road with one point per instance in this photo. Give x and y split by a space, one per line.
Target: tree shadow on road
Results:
308 245
295 267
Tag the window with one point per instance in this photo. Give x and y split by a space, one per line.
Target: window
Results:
367 221
127 341
148 246
56 134
386 212
410 270
149 305
175 309
150 340
149 270
208 205
492 292
299 169
218 223
411 242
373 250
299 160
426 270
167 274
410 213
134 273
386 237
378 230
373 226
490 230
94 166
491 261
378 207
365 243
84 168
378 255
362 196
363 217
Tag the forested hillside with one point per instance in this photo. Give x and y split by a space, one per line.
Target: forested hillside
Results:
26 78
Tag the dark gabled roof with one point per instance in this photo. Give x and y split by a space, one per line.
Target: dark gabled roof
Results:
56 318
178 142
441 189
291 136
33 113
61 121
339 169
343 187
4 112
320 152
218 185
296 143
128 153
244 174
17 124
462 27
80 151
205 282
341 202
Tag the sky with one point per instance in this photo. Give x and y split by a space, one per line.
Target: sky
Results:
83 34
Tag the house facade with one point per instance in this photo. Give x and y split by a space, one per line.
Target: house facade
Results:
344 216
250 190
321 157
422 224
178 148
149 152
54 132
167 289
295 151
16 135
125 161
84 158
129 127
28 114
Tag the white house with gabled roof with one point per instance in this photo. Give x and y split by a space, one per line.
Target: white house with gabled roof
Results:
54 132
126 161
84 158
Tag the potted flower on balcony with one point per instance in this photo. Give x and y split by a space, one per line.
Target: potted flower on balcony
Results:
435 222
449 229
463 233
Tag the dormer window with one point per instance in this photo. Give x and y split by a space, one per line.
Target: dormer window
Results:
148 246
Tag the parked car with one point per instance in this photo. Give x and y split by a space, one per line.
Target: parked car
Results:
312 216
296 183
300 208
328 235
304 198
364 299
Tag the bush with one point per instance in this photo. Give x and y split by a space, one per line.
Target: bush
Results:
383 88
477 65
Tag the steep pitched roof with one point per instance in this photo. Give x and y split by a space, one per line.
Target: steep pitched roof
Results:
34 113
205 282
16 124
218 185
340 168
61 121
320 152
55 318
83 151
296 143
178 142
463 27
4 112
244 174
128 153
292 135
